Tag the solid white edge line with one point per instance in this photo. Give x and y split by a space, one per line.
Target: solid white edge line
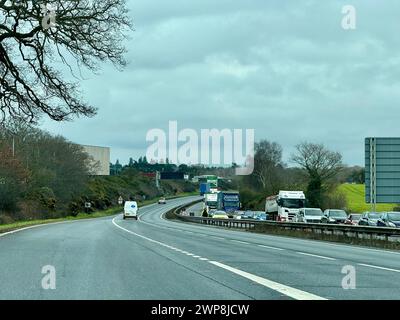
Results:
315 256
59 222
41 225
286 290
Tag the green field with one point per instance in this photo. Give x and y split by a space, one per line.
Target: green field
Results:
355 195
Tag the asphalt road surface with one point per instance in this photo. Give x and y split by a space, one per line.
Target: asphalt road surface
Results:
111 258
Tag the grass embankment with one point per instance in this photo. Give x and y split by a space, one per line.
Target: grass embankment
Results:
98 214
355 195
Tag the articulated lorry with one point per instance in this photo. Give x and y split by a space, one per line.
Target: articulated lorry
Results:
228 201
204 188
285 205
210 201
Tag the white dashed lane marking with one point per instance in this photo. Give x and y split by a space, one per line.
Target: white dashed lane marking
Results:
286 290
315 256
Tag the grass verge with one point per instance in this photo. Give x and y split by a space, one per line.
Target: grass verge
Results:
97 214
80 216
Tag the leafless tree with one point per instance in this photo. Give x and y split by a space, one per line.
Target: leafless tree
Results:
321 166
317 160
267 163
36 39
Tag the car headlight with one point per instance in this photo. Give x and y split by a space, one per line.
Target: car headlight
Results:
331 220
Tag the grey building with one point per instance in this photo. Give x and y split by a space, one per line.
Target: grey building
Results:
101 157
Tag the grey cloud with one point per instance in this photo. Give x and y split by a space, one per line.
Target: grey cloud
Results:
284 68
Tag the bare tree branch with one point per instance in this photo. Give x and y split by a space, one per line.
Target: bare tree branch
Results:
317 160
87 31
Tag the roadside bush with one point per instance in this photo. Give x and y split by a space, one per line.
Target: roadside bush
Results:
73 208
252 200
45 196
9 195
334 200
13 179
5 219
30 210
189 187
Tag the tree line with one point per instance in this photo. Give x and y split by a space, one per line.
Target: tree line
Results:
46 176
313 168
142 165
40 174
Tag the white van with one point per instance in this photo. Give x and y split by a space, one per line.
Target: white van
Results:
130 209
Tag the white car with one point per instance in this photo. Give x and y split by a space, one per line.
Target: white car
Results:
309 215
162 201
131 210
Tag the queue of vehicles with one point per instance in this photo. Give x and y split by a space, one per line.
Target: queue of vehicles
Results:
290 206
226 205
286 206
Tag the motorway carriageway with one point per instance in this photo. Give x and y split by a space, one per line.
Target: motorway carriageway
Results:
154 258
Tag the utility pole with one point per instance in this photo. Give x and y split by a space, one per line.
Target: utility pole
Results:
372 173
158 179
13 147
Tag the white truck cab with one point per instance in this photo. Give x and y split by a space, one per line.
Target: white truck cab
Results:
210 201
130 209
285 205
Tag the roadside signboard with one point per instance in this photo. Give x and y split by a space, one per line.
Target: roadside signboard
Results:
120 200
382 170
172 175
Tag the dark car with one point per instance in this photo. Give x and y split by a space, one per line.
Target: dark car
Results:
353 219
334 216
370 219
390 219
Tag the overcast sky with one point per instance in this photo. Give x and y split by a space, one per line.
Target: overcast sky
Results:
284 68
